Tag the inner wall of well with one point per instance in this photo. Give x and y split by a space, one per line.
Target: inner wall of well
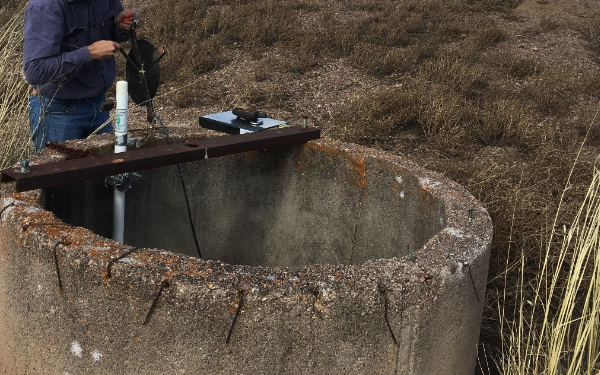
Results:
284 207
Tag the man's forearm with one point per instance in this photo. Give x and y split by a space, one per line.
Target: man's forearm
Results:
42 70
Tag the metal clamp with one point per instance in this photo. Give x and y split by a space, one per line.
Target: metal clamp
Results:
122 182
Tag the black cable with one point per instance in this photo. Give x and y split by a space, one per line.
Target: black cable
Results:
187 201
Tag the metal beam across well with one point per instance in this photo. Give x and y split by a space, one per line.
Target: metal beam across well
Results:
88 168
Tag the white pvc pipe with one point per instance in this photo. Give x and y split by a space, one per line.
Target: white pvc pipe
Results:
118 215
120 146
121 117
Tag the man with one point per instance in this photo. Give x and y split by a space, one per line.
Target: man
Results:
68 58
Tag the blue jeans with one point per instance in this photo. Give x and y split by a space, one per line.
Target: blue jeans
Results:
60 120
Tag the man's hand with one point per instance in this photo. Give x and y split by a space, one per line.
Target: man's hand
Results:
125 19
103 49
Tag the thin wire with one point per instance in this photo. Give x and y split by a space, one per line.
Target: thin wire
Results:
110 118
187 201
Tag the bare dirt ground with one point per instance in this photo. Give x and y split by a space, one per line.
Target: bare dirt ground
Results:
564 47
548 31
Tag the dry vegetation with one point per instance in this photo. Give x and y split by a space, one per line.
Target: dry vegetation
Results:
553 326
13 94
479 90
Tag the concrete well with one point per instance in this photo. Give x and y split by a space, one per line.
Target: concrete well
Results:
321 258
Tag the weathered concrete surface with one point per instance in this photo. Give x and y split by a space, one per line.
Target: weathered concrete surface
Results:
343 260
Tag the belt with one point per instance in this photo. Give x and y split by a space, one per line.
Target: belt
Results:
66 101
69 101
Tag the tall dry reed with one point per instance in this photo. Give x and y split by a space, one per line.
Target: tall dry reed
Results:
14 131
553 328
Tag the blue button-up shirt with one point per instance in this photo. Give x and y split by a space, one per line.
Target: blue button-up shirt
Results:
55 58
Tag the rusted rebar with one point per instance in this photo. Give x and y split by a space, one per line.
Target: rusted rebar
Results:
384 293
60 286
240 298
163 284
113 261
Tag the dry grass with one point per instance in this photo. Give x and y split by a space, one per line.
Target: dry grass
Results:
593 31
553 325
13 95
439 80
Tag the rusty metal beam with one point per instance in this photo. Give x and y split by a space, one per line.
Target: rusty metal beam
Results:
89 168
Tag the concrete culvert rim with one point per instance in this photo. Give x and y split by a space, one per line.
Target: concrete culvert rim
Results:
411 300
